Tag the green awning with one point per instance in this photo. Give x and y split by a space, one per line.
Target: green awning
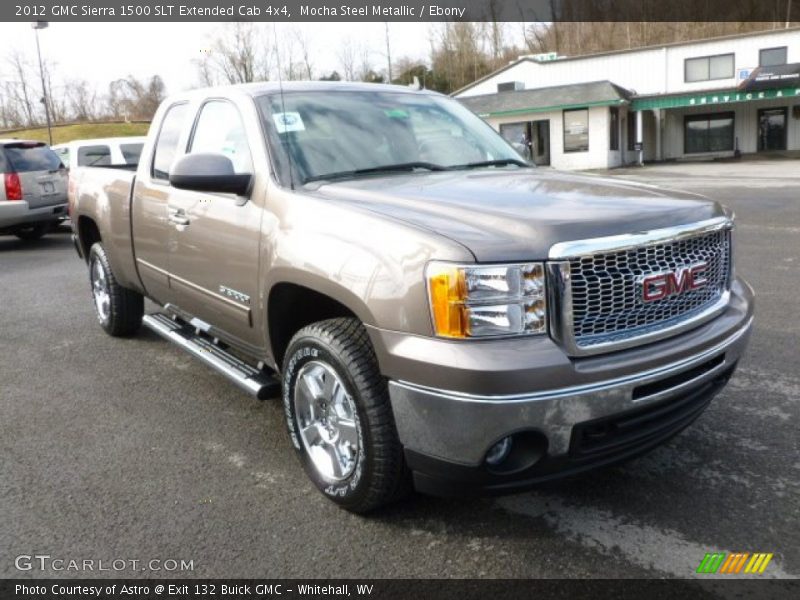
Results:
712 98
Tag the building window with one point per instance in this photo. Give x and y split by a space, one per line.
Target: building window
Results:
614 129
770 57
707 68
510 86
708 133
576 130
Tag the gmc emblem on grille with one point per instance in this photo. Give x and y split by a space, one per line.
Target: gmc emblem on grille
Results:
672 283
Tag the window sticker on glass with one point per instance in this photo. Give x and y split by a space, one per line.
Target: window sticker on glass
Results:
396 113
288 121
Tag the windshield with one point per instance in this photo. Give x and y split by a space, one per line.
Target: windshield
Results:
334 135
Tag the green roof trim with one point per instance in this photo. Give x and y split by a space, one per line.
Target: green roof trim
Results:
712 98
541 109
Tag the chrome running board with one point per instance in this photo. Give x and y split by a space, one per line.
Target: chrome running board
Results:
257 383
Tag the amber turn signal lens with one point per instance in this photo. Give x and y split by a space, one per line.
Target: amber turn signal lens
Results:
447 293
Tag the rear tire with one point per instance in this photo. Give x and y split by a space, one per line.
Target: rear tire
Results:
119 310
31 233
339 417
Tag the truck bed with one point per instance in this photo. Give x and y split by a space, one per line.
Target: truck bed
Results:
106 191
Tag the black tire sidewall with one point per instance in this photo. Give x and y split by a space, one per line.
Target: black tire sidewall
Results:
302 351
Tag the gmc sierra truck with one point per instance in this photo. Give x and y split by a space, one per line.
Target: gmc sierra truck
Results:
435 312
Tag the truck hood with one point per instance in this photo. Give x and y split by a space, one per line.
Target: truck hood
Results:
507 215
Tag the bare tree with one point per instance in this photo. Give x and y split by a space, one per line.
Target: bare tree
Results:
290 67
239 54
497 30
81 100
205 70
365 71
56 103
132 98
304 45
348 59
20 89
11 116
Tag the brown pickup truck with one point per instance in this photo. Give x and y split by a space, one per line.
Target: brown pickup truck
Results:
434 311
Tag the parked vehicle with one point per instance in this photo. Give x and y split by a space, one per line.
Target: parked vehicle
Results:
101 152
33 197
432 309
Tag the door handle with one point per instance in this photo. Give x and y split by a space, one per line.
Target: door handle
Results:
177 216
178 220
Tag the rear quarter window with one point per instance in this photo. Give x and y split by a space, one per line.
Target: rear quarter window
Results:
94 156
24 158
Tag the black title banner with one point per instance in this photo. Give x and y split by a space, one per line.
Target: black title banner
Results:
779 11
401 589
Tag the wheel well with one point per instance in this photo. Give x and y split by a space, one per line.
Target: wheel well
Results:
88 234
291 307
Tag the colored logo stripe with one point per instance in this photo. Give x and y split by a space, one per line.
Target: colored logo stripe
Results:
720 562
711 562
734 563
758 563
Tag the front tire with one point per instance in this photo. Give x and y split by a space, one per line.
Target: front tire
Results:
119 310
339 417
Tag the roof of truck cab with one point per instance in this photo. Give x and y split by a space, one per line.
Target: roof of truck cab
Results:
267 87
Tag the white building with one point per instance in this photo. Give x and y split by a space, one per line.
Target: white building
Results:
710 98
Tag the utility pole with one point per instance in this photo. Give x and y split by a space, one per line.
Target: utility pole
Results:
788 13
37 25
388 51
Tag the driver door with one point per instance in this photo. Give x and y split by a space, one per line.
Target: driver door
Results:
214 260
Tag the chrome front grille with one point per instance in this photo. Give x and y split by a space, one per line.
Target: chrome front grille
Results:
600 289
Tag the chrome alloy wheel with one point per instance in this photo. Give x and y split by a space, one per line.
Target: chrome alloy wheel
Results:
100 291
326 419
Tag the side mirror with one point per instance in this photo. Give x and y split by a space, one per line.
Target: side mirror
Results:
208 172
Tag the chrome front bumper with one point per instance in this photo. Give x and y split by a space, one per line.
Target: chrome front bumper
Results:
459 428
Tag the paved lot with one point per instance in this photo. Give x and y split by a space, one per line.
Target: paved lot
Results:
131 449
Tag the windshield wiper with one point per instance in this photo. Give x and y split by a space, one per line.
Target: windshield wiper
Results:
501 162
409 166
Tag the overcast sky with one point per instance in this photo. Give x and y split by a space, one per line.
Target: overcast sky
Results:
102 52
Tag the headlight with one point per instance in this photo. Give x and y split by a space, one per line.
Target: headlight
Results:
480 301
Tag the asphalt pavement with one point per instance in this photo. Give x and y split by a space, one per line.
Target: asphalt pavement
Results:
132 450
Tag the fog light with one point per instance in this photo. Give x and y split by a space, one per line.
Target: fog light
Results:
499 452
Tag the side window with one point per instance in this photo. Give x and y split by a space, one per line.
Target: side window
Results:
167 142
220 130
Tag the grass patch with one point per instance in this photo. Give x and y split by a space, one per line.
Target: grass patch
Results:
81 131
